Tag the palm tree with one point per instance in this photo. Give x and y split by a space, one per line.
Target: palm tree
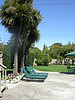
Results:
34 37
14 15
20 19
35 19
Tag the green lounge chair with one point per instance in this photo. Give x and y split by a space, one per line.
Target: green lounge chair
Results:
69 69
32 77
37 72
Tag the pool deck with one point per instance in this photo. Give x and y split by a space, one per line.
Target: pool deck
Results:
57 86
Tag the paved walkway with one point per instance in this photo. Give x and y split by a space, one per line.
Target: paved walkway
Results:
57 86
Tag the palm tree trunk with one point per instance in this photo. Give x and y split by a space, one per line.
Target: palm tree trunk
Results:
25 53
25 61
16 56
16 51
24 47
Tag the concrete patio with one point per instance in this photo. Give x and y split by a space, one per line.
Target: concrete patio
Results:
57 86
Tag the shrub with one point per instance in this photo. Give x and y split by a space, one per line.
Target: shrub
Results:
40 56
39 62
42 62
46 60
50 58
30 59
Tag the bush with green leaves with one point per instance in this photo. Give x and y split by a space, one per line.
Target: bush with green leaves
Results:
43 62
41 55
46 60
30 59
39 62
50 58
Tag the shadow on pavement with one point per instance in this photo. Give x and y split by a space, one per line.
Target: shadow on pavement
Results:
70 73
33 80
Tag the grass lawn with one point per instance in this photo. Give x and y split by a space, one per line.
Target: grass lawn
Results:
53 68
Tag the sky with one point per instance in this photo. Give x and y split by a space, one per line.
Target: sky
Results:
58 22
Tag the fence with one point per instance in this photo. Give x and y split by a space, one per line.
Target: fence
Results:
3 71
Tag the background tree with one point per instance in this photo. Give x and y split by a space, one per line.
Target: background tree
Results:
8 53
36 51
45 49
1 45
54 50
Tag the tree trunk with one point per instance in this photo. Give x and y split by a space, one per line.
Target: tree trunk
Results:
16 56
26 57
24 47
26 52
16 51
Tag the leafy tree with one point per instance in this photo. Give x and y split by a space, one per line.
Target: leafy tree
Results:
1 45
54 51
58 51
69 43
60 44
45 49
8 53
36 51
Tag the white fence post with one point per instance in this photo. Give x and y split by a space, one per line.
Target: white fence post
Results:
0 83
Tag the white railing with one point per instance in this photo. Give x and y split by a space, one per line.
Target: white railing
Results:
3 69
